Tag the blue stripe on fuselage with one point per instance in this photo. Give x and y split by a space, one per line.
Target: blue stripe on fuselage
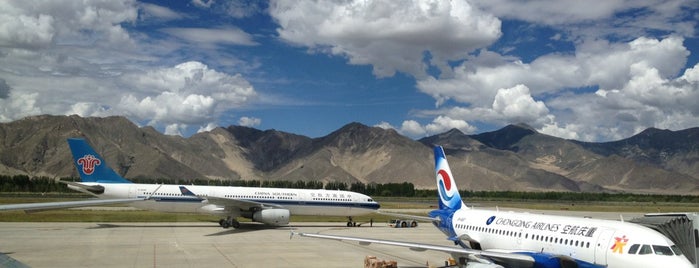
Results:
276 202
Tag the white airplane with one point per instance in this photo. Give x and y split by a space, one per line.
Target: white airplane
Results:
490 238
271 206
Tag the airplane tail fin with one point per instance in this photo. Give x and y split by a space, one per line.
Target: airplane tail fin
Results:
449 197
91 166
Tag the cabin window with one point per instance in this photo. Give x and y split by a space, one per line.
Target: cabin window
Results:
662 250
645 249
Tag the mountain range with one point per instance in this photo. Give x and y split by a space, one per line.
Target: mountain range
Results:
514 158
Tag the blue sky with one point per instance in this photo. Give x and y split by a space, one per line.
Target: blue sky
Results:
593 71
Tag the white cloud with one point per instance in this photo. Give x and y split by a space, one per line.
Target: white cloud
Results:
203 3
159 12
390 36
440 124
517 105
34 25
249 121
635 81
208 127
174 129
603 18
445 123
206 36
189 93
552 12
18 104
384 125
606 65
412 128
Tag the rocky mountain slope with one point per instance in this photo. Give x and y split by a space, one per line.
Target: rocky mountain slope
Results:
515 157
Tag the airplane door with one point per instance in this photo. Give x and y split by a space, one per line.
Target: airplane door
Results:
132 191
603 246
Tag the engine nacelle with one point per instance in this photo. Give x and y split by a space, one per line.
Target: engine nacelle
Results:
274 216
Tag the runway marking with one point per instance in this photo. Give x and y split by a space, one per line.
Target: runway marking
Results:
224 255
154 256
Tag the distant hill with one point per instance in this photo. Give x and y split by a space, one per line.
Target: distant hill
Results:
516 157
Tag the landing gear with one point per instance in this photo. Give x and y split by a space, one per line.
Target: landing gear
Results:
350 222
229 222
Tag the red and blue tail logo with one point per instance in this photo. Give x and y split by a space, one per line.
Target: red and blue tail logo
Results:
90 165
449 197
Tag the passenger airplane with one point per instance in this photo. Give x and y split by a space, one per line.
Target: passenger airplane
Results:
271 206
496 238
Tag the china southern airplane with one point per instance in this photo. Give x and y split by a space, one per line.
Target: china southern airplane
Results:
271 206
490 238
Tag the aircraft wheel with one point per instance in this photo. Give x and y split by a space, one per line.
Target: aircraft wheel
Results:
413 224
221 222
235 224
225 224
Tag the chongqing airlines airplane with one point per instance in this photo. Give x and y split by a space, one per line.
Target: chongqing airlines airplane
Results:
490 238
271 206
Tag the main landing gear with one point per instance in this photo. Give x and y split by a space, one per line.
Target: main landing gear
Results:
350 222
229 222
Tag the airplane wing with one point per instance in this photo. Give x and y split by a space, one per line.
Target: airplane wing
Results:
487 257
36 207
231 203
409 216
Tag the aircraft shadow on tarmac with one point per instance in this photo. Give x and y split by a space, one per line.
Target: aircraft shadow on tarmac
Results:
244 227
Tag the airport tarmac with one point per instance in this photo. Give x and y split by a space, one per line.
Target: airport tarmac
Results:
185 244
205 244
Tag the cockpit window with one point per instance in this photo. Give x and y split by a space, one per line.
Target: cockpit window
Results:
676 249
645 249
662 250
634 248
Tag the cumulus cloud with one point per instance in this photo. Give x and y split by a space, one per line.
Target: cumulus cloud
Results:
208 127
174 129
440 124
33 25
633 79
648 99
603 64
249 121
18 104
390 36
517 105
189 93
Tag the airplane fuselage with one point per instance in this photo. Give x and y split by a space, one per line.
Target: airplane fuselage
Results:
603 243
169 198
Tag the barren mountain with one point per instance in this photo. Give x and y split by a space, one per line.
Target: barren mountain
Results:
515 157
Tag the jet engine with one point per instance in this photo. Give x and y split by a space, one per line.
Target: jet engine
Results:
274 216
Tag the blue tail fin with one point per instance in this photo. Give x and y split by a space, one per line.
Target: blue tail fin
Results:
90 165
449 197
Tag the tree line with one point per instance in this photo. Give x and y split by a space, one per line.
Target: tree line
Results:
24 183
